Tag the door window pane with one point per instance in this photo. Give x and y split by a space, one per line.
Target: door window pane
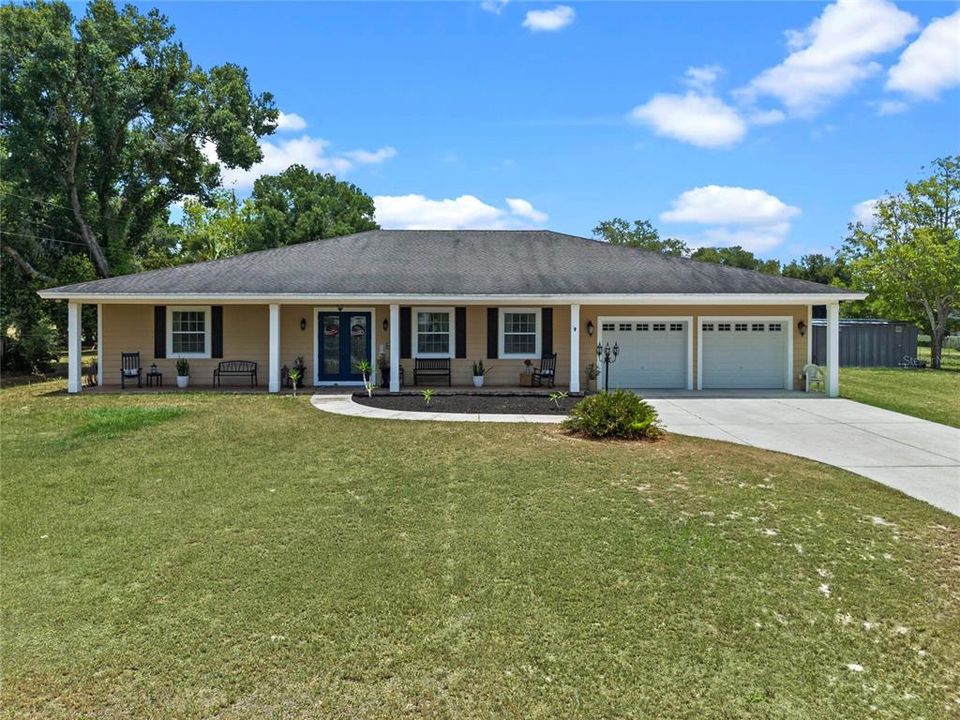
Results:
358 341
331 345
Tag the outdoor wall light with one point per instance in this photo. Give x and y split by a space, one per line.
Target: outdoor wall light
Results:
303 324
386 324
590 328
802 328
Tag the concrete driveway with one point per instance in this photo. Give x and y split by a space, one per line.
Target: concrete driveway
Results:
917 457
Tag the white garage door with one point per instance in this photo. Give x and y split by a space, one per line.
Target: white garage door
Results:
744 353
653 353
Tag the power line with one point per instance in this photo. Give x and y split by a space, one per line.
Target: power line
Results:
34 199
39 237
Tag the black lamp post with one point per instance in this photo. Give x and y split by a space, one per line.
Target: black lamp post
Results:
609 356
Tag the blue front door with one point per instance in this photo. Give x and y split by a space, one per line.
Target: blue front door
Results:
345 341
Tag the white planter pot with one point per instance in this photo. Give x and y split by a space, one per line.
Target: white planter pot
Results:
183 381
478 380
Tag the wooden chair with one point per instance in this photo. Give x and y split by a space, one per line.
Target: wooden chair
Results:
547 372
130 368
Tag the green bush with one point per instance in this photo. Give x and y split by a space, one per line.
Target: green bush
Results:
617 414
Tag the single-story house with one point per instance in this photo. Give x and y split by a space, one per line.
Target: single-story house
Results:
502 296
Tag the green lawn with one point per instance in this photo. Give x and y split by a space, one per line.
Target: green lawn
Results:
247 556
928 394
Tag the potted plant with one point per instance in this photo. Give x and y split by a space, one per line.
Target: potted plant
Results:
479 373
183 373
295 374
591 372
526 377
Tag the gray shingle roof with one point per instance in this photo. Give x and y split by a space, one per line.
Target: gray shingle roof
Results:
448 262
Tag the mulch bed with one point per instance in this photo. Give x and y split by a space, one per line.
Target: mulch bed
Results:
494 404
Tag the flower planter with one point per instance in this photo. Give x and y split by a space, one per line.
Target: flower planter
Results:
478 381
183 381
526 379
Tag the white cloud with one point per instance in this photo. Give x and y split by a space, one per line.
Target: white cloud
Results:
494 6
766 117
305 150
290 121
701 120
418 212
549 20
891 107
831 55
862 212
931 63
524 209
702 77
753 219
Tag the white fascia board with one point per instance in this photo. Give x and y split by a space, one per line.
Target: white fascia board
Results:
527 299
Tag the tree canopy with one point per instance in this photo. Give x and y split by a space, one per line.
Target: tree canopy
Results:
642 235
909 257
106 122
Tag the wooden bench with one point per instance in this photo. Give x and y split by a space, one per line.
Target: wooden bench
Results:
233 368
431 367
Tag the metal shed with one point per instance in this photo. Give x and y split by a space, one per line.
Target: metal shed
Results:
867 342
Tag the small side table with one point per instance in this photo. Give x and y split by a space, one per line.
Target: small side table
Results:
155 379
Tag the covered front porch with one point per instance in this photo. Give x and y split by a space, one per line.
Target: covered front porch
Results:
394 343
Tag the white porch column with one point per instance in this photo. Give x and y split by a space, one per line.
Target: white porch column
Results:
833 349
574 348
394 348
274 382
73 347
99 343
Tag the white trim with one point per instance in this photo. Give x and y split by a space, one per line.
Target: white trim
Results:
574 348
787 320
538 333
394 348
415 331
470 299
273 349
316 345
74 350
99 344
688 319
205 309
833 350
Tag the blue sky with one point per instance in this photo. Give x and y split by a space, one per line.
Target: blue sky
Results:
762 124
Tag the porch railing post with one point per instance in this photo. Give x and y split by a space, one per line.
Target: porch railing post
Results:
574 348
833 349
73 347
394 348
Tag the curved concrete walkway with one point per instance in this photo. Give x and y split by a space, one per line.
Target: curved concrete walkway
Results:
918 457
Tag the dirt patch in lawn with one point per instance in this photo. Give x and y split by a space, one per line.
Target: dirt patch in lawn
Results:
466 403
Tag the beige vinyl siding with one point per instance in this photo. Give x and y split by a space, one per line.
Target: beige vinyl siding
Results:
129 328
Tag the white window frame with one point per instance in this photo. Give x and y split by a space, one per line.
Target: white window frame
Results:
207 334
538 334
451 341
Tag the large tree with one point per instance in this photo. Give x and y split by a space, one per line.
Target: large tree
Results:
909 257
641 235
299 205
106 122
736 256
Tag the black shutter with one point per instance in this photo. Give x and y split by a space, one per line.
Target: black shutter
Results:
406 331
546 333
159 331
460 322
493 329
216 329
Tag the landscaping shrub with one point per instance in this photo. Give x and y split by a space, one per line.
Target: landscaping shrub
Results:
617 414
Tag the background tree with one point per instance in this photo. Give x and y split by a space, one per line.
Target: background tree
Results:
909 259
642 235
106 121
737 257
299 205
217 231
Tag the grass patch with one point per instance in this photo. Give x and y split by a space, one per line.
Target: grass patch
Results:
109 422
949 358
258 558
928 394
